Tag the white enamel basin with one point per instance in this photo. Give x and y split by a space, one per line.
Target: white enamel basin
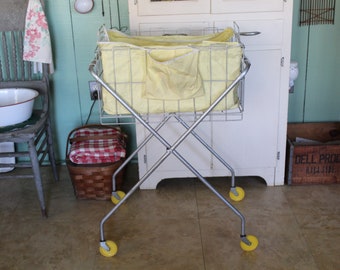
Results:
16 105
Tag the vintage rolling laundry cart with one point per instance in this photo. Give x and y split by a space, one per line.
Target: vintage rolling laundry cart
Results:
182 77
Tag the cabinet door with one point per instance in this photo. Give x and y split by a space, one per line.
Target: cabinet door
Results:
252 142
159 7
190 149
237 6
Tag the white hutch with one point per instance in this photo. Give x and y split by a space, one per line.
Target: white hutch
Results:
255 145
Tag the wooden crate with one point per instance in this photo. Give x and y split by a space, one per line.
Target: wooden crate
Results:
315 160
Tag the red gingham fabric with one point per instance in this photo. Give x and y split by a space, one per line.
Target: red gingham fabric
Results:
98 131
98 151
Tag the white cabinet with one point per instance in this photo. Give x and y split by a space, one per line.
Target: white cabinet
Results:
255 145
237 6
191 148
150 8
154 7
250 145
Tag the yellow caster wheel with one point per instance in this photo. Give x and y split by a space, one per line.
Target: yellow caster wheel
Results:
116 198
108 248
237 197
251 245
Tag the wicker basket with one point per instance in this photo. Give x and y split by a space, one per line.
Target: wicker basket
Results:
93 181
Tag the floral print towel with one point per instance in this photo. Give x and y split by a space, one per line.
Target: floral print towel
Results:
37 42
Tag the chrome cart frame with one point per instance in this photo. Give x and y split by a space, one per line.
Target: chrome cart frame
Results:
109 248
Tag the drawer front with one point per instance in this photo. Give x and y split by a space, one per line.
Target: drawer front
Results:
258 32
161 28
238 6
154 7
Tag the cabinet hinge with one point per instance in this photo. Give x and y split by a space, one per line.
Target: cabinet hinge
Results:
278 155
282 61
145 159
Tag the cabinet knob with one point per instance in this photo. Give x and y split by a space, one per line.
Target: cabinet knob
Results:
249 34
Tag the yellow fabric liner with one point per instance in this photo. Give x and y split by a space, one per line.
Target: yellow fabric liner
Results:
170 40
172 74
200 73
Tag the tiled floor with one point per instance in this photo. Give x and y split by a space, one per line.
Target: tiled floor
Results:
181 225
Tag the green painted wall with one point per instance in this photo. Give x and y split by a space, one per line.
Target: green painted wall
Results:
317 90
74 38
316 96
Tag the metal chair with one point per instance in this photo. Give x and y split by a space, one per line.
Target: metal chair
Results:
33 138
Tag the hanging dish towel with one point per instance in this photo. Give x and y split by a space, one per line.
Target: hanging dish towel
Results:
37 41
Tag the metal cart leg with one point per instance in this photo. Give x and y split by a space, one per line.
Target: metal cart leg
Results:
109 248
118 195
236 193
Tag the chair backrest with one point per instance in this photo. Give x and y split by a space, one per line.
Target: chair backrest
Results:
17 73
